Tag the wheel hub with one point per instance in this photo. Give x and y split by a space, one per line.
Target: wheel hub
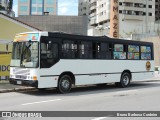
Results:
65 84
126 80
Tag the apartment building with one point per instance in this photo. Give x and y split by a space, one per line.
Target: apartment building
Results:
157 10
83 8
37 7
135 16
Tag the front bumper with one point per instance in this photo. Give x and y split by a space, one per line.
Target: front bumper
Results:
31 83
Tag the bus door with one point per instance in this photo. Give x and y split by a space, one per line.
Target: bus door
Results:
49 52
49 56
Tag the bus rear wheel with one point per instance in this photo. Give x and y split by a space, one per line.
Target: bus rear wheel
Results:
125 80
64 84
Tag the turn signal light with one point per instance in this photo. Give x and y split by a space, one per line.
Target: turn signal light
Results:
34 77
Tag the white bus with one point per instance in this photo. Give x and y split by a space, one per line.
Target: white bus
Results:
60 60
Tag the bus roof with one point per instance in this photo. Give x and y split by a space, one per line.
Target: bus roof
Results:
58 34
95 38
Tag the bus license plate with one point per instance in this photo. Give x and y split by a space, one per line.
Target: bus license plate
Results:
19 82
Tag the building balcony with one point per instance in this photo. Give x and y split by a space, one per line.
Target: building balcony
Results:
93 7
133 1
92 14
92 1
131 8
132 17
92 22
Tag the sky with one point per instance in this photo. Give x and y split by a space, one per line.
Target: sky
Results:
65 7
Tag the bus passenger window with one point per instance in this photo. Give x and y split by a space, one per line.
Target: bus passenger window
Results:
103 51
145 53
69 49
119 51
133 52
85 50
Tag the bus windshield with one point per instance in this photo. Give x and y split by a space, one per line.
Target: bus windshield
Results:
25 54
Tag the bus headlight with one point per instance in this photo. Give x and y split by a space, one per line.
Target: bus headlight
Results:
12 76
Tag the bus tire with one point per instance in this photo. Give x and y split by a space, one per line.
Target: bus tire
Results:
64 84
125 80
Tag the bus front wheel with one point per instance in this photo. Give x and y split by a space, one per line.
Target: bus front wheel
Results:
124 81
64 84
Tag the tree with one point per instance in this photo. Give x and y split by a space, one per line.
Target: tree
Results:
9 6
2 8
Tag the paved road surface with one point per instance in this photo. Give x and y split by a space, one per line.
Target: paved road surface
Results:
142 96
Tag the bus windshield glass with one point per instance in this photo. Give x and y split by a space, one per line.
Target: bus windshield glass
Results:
25 54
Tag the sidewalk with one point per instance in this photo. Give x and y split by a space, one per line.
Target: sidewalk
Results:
6 87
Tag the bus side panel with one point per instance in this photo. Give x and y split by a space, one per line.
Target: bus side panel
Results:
47 82
94 71
142 76
96 79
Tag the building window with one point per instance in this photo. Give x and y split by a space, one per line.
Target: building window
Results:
39 9
49 9
49 2
150 6
33 9
33 1
23 1
39 1
150 14
23 8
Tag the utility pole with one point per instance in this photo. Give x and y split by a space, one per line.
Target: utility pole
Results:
114 19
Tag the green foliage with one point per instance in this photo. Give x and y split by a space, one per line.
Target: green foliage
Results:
2 8
10 5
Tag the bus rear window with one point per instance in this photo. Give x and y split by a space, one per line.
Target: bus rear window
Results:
145 53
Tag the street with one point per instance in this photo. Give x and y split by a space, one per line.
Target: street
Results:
140 96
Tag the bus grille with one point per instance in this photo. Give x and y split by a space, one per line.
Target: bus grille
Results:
21 77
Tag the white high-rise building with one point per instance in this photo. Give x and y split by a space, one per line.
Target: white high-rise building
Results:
83 8
135 16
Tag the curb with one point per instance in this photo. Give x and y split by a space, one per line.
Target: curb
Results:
16 89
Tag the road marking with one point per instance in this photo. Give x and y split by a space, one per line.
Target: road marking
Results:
100 118
41 102
126 91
